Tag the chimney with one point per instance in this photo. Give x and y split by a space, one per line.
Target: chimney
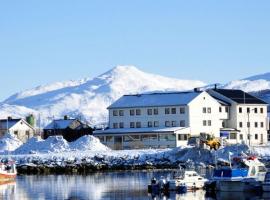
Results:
65 117
196 90
215 87
9 118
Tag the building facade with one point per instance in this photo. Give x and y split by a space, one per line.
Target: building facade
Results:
70 129
19 127
162 120
248 121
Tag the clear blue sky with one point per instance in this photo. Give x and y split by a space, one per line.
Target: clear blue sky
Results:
213 41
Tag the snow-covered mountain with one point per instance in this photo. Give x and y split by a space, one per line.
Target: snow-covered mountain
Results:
251 84
88 98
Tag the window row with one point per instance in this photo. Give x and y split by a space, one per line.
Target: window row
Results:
207 123
150 111
147 137
248 110
256 124
150 124
226 109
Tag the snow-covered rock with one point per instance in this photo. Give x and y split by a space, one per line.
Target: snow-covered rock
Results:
88 142
89 98
9 142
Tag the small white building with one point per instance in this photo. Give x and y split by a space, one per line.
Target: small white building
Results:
161 120
248 121
18 127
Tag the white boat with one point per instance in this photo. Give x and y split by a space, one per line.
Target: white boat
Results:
181 182
190 178
244 174
266 183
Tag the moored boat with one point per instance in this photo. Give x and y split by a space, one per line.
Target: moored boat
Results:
7 171
244 174
181 182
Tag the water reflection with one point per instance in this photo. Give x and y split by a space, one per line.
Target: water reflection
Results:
102 186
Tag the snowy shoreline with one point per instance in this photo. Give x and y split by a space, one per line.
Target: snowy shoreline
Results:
85 155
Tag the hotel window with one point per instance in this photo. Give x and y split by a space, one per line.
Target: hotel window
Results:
173 123
155 111
256 136
255 124
204 122
149 111
121 112
241 136
109 138
208 110
138 112
167 111
115 113
226 109
156 124
150 124
261 124
173 110
131 112
138 125
183 137
255 110
233 136
182 110
182 123
132 124
240 110
220 109
209 123
167 124
248 110
248 124
115 125
261 110
121 124
204 110
240 124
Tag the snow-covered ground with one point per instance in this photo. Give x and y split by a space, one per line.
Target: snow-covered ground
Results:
88 151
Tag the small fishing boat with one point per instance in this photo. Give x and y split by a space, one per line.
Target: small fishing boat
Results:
7 171
244 174
181 182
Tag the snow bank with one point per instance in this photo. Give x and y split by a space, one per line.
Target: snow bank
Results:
57 144
9 142
53 144
88 142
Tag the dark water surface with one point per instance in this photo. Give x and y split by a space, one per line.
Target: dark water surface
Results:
104 186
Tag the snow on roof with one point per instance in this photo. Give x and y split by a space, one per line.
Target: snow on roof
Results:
154 99
9 122
59 124
140 130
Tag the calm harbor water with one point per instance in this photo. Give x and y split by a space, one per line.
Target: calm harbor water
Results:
101 186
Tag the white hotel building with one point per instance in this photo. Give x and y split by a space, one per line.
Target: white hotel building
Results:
161 120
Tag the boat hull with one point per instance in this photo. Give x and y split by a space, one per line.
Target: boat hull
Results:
7 176
266 187
236 186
